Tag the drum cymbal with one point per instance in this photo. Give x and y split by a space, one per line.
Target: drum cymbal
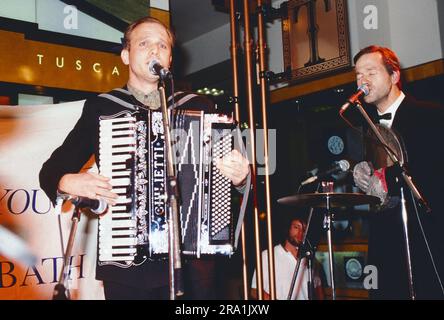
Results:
319 200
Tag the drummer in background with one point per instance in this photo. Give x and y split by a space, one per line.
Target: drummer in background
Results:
420 125
286 257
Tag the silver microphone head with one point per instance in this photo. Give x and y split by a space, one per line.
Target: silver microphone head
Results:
344 165
102 207
158 70
151 66
364 88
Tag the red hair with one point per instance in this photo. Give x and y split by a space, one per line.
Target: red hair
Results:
389 58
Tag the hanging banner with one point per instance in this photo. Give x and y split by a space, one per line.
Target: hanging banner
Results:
33 236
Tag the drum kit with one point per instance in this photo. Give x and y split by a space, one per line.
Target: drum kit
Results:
328 201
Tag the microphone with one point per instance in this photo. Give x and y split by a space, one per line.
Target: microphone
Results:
339 166
156 69
96 206
362 90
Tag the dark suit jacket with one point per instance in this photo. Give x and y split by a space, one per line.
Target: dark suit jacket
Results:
421 127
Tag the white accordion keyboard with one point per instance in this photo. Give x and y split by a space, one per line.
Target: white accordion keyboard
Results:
117 228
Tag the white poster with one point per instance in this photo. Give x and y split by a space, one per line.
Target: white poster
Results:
30 227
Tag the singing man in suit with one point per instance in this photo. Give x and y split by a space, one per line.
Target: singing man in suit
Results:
419 125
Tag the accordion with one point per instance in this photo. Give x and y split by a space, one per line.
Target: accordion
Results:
132 153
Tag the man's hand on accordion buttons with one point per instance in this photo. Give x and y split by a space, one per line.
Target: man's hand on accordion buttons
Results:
88 184
235 167
369 181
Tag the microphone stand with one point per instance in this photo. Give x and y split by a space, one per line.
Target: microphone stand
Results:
174 259
304 250
60 290
402 170
402 173
310 254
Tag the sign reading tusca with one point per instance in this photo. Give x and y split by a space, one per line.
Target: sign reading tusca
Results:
58 66
77 64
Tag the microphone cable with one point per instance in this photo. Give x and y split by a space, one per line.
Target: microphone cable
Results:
426 242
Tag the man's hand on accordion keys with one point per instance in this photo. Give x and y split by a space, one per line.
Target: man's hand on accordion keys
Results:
89 185
235 167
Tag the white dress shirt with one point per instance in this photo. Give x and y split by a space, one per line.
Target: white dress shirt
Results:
392 109
285 264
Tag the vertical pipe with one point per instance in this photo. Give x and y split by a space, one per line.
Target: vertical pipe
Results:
234 60
407 245
234 50
331 258
263 87
252 143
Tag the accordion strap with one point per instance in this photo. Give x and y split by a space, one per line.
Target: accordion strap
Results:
113 98
182 97
246 193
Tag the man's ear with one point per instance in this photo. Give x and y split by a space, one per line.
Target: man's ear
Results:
124 55
396 77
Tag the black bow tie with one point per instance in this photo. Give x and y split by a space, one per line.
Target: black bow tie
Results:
385 116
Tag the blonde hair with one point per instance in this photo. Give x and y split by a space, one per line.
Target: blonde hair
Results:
132 26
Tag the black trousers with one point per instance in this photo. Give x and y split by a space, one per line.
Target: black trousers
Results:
119 291
199 284
387 252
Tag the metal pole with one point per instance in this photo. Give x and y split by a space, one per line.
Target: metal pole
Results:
330 248
60 290
263 86
174 258
234 52
252 143
407 245
234 55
